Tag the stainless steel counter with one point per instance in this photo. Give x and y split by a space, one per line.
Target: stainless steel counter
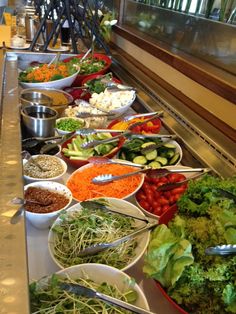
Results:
200 146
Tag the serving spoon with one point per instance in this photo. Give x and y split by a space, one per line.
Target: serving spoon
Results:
20 201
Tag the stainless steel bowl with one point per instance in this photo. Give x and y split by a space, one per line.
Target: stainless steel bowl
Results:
39 120
28 98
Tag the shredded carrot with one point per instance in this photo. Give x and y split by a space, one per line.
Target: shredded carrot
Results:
82 188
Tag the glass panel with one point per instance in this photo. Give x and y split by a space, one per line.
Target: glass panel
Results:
208 40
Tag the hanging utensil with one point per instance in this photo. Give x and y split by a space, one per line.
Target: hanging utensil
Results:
144 121
94 249
155 146
106 178
92 293
106 160
20 201
113 88
89 131
93 115
171 186
26 155
47 147
93 205
226 194
55 59
91 144
142 115
227 249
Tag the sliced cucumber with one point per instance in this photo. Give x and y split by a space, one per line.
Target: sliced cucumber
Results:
155 165
170 153
168 145
151 155
130 156
141 160
162 160
147 144
174 159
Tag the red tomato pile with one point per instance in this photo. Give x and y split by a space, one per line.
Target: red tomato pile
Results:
159 202
149 127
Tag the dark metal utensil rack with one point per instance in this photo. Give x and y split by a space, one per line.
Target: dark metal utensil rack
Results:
83 20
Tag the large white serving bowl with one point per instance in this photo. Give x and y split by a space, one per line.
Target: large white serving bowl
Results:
100 273
45 220
121 184
121 206
58 84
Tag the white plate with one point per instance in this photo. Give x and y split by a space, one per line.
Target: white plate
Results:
62 48
26 46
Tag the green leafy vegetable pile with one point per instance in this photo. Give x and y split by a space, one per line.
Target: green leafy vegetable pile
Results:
48 298
176 257
89 65
86 227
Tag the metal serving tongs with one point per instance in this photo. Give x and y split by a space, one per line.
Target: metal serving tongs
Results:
94 249
226 249
106 178
92 293
95 204
128 132
171 186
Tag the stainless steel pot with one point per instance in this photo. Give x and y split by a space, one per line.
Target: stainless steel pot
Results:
29 98
39 120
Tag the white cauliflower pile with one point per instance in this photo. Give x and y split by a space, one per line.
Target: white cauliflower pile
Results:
84 106
110 101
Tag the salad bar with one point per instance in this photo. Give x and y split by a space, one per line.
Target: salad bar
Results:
119 205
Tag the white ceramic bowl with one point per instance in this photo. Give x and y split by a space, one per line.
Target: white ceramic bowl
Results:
44 220
100 273
62 132
58 84
106 105
50 157
187 175
121 206
94 186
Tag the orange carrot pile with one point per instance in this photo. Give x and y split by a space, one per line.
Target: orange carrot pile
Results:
82 188
45 72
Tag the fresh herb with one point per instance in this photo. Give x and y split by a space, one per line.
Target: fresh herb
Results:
48 298
83 228
176 256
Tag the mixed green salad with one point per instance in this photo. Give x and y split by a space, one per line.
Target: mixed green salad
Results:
176 257
79 229
49 298
98 84
89 65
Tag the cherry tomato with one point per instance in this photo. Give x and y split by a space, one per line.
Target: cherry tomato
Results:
157 211
144 204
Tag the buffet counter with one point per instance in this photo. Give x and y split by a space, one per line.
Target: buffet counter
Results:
24 251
